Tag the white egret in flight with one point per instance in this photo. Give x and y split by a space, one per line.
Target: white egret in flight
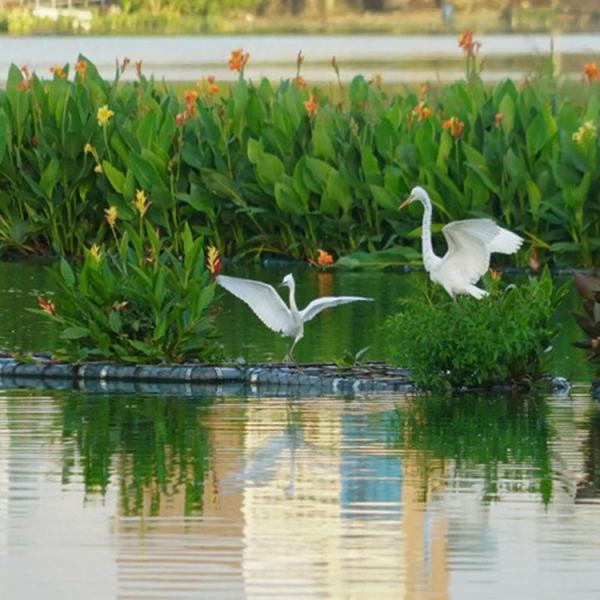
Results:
271 309
470 243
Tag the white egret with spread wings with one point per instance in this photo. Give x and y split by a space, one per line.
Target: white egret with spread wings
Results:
269 307
470 244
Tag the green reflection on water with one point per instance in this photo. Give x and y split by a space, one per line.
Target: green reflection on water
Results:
156 447
501 437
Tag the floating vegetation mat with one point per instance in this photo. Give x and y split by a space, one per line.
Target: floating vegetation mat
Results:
188 378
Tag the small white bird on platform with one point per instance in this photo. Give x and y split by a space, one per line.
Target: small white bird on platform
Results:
271 309
470 243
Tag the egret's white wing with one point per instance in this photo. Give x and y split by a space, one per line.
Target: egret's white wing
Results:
496 238
261 298
319 304
506 242
470 243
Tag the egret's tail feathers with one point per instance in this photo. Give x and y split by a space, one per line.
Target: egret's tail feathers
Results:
506 242
476 292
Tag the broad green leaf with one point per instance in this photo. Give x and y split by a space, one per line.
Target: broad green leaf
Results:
74 333
337 188
322 144
50 177
288 200
384 198
507 109
116 177
67 272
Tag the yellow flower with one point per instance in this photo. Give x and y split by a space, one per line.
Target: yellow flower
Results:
213 261
111 215
96 253
88 148
98 169
141 202
104 115
586 133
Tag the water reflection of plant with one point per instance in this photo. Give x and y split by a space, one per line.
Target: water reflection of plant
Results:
497 435
588 487
156 447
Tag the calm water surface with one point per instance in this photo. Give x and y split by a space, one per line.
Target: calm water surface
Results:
220 497
397 58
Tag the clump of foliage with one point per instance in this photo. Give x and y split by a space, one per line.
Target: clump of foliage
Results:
589 290
288 168
497 340
142 304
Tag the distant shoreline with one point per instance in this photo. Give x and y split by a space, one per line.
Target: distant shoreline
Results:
396 22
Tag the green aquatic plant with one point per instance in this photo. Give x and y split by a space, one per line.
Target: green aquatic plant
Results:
142 304
501 339
257 167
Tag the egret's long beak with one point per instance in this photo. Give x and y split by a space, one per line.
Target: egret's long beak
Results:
405 203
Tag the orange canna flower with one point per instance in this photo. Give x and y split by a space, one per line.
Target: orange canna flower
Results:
58 72
466 42
591 72
424 89
495 274
455 126
422 111
25 71
23 85
300 82
498 119
47 306
124 64
238 60
213 261
138 67
466 39
213 88
182 117
190 97
324 258
81 67
311 104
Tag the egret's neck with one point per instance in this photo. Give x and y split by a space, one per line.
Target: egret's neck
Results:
292 286
429 258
